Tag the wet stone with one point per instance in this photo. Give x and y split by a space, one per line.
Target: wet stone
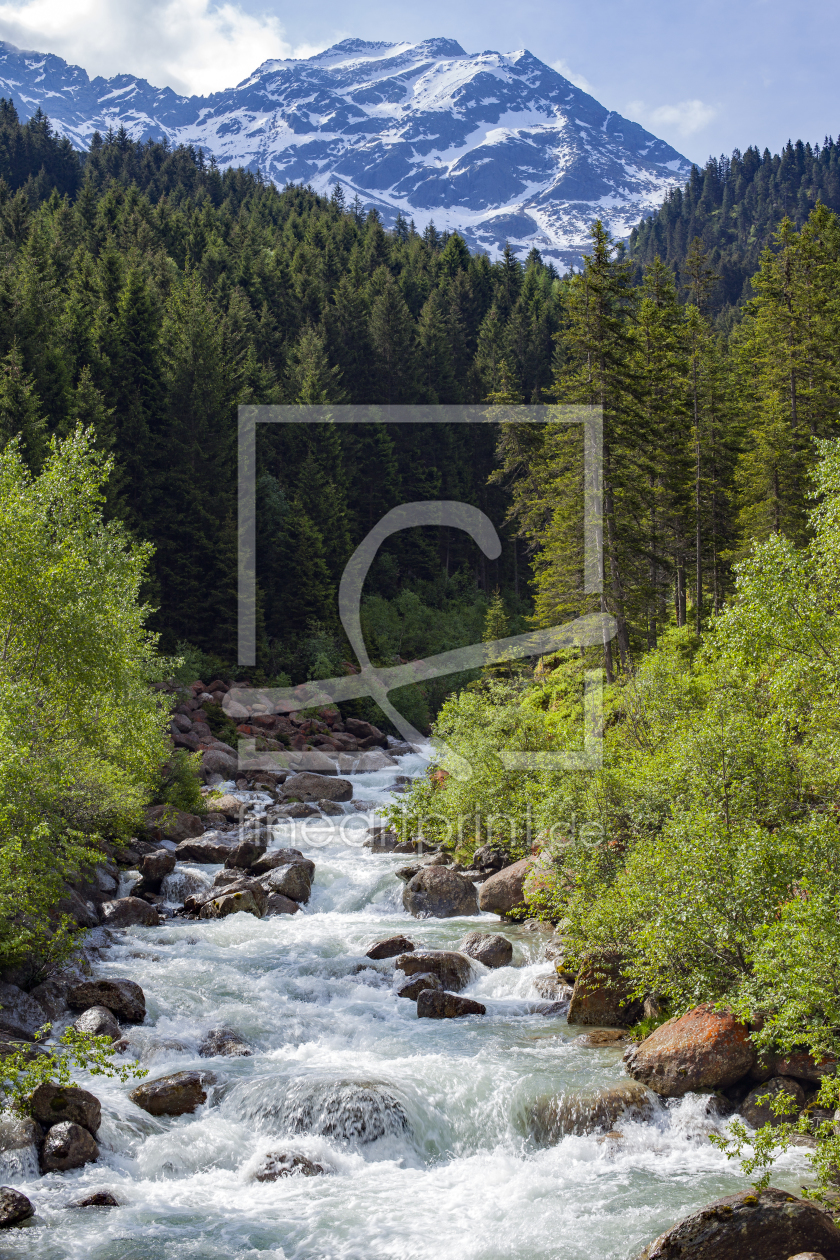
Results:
282 1164
390 947
67 1146
14 1207
99 1198
98 1021
417 984
223 1041
175 1095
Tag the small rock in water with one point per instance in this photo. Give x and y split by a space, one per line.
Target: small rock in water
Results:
332 809
390 947
601 1037
99 1022
278 904
244 855
418 984
282 1164
379 839
50 1104
124 998
67 1146
452 969
14 1207
492 951
555 1117
99 1198
223 1041
231 903
129 912
552 988
297 809
437 1004
279 857
175 1095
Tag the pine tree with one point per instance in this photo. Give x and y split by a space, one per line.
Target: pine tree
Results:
392 335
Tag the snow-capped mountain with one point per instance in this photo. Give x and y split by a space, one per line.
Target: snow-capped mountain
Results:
496 145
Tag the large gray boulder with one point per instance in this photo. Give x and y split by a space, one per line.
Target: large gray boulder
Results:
14 1207
21 1015
124 998
753 1225
98 1021
317 787
438 893
129 912
293 881
211 848
704 1049
66 1146
176 1095
50 1104
492 951
451 968
502 893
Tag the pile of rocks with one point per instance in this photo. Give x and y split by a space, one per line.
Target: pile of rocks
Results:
257 883
434 978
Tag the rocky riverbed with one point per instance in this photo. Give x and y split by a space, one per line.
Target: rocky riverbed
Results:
298 1107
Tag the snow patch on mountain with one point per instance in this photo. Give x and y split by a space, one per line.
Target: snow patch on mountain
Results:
498 146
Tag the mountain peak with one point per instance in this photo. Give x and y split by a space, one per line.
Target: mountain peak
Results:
498 146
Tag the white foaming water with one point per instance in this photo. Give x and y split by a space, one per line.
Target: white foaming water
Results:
422 1124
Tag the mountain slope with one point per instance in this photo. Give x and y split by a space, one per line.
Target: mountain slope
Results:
498 146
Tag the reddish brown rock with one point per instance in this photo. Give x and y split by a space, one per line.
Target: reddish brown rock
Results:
175 1095
754 1225
705 1049
601 996
390 947
502 893
804 1068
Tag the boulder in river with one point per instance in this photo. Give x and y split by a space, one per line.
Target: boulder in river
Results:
129 912
98 1022
552 988
50 1104
437 1004
438 893
276 903
284 1164
99 1198
414 986
156 865
293 880
352 1111
211 848
757 1113
19 1132
491 950
452 969
381 840
753 1225
601 995
600 1037
124 998
279 857
390 947
592 1111
244 854
176 1095
228 903
21 1014
318 787
14 1207
502 893
66 1146
704 1049
224 1041
231 806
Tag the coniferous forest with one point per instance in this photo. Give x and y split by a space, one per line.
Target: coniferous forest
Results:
145 295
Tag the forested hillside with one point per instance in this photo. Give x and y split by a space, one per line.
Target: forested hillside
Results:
158 294
735 205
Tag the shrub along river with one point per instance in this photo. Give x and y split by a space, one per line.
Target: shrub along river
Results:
423 1126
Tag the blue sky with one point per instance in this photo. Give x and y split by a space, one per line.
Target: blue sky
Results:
707 76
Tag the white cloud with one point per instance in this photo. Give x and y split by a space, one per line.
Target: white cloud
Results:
579 80
192 46
685 118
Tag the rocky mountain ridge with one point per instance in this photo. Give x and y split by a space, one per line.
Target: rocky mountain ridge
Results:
498 146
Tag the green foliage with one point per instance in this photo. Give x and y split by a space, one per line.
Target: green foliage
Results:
179 784
22 1071
81 733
